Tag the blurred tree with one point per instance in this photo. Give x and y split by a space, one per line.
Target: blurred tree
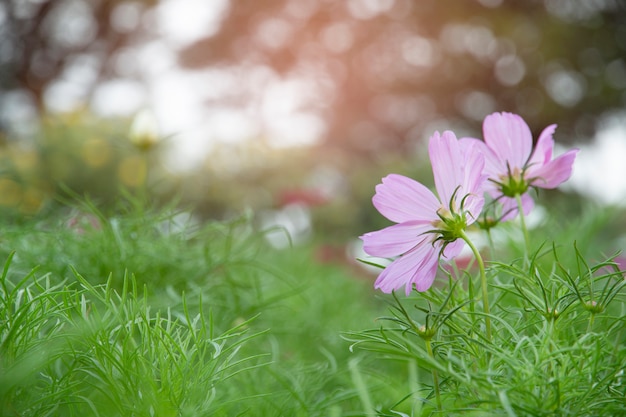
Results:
392 67
45 41
387 69
380 75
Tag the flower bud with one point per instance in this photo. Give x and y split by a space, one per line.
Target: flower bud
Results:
144 130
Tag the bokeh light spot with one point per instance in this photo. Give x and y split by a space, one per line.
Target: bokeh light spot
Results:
96 152
74 32
118 98
64 96
201 19
10 193
26 161
301 9
32 201
475 104
132 171
274 33
566 87
126 17
18 113
510 70
418 51
337 38
367 9
616 74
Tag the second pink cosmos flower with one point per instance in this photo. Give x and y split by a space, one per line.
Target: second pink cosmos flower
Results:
513 167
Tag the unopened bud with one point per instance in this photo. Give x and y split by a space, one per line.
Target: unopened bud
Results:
144 130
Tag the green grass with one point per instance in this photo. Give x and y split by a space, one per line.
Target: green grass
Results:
136 312
559 334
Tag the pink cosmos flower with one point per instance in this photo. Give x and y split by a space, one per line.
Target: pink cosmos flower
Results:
513 167
428 226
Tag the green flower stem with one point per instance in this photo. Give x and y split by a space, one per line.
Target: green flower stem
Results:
592 316
492 247
414 386
551 341
435 375
520 208
361 387
470 293
483 282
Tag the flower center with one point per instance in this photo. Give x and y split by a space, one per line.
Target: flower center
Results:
450 224
514 183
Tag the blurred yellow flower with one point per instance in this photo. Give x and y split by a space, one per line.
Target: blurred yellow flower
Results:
10 193
32 201
96 152
132 171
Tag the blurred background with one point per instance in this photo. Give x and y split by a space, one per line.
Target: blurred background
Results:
294 108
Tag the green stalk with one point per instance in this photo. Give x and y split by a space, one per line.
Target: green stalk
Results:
520 209
592 316
414 386
483 282
361 387
492 247
435 375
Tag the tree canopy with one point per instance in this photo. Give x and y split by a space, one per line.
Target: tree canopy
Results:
377 73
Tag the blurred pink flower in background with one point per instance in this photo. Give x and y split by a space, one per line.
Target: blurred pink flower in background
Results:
303 196
81 223
620 264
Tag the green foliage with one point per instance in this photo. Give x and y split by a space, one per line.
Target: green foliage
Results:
143 311
558 348
75 348
147 312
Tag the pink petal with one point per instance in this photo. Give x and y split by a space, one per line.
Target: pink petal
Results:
492 163
509 206
473 185
509 137
402 199
395 240
425 276
473 206
408 269
543 149
447 163
493 166
453 249
555 172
